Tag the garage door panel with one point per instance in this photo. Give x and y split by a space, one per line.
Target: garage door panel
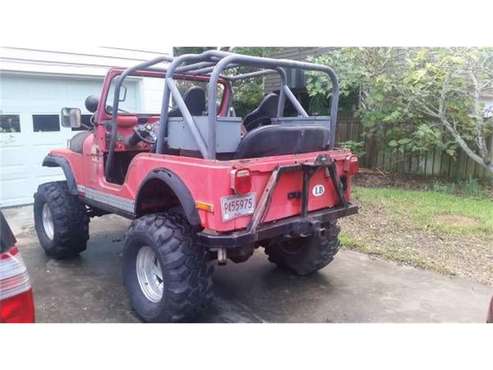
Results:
39 152
10 140
48 144
14 172
13 191
4 145
49 173
12 157
18 183
59 176
46 94
22 153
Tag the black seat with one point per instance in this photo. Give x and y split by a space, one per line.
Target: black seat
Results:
262 115
77 141
194 100
280 139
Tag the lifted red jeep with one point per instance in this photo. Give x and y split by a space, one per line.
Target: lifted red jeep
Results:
199 183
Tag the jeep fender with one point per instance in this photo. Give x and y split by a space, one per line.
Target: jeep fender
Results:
180 190
55 161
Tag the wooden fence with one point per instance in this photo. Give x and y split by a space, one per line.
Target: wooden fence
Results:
436 163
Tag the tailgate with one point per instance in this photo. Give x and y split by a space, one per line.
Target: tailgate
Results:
299 188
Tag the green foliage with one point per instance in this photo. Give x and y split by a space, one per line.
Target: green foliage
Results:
356 147
247 94
401 93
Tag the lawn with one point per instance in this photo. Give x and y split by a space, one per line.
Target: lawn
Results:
443 232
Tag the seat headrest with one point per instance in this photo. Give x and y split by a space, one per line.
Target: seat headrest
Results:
261 115
195 100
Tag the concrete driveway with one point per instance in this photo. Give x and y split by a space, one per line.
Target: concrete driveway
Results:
354 288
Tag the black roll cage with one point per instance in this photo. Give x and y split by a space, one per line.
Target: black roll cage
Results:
213 63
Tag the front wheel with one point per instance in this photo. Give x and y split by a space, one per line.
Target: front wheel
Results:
60 220
166 273
305 255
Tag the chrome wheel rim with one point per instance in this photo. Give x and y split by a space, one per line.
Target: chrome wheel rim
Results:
48 222
149 274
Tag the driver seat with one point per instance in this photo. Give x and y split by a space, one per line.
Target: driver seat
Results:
194 100
262 115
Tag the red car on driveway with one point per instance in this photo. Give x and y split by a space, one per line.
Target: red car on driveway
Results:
16 297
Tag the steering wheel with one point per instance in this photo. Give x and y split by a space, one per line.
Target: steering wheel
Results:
145 133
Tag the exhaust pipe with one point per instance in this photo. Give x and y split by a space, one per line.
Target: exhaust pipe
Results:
221 256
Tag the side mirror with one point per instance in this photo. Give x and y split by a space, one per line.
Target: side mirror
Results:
71 117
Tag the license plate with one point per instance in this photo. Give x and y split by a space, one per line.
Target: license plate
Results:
234 206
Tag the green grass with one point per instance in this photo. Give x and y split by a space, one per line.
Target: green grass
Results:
432 210
470 187
448 233
394 253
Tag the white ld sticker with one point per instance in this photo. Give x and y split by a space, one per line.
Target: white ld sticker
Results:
318 190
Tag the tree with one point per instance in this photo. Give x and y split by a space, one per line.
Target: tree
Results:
421 98
447 85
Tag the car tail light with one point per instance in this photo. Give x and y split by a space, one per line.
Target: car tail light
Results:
351 165
241 181
16 300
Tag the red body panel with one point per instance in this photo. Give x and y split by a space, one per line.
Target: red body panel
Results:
209 180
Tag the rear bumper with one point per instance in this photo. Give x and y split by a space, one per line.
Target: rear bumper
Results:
309 224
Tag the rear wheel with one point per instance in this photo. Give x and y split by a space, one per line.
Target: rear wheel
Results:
305 255
166 273
60 220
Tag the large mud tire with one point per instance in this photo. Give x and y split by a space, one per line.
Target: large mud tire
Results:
305 255
60 220
184 266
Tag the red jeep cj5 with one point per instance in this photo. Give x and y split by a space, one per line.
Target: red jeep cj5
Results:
199 183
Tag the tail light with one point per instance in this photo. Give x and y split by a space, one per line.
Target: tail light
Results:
241 181
16 300
351 165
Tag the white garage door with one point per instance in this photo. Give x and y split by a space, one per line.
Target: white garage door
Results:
30 127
